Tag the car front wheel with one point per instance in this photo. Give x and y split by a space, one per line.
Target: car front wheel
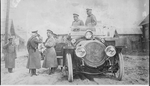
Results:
69 67
119 74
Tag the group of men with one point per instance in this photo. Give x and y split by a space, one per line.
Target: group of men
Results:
90 21
34 58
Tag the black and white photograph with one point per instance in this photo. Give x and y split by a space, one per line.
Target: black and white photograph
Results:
74 42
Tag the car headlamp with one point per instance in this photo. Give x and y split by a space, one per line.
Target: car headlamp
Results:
80 52
88 35
102 40
73 41
110 51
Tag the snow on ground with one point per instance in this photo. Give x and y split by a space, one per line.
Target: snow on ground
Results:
136 72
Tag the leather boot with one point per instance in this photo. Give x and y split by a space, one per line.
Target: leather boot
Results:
31 72
35 72
50 71
10 70
53 70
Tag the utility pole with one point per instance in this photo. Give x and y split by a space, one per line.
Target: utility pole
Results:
7 21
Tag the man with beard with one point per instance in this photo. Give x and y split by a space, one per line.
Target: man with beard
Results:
50 60
77 21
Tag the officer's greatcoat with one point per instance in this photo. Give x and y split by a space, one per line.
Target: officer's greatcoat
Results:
10 55
50 54
34 59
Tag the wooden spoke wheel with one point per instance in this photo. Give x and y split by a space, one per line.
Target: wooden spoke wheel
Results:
120 72
69 69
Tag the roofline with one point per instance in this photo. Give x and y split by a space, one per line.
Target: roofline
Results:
144 24
144 20
128 34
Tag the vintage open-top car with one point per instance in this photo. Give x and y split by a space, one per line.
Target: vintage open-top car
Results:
92 53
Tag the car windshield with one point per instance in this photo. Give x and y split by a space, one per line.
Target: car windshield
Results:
82 28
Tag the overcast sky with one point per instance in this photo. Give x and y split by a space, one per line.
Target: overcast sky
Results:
57 14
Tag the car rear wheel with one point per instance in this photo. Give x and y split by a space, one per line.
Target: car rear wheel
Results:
119 74
69 70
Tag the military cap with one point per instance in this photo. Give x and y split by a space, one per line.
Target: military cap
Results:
35 31
75 14
48 30
10 38
88 9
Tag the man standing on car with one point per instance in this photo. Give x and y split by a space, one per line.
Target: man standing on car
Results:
91 19
77 21
34 59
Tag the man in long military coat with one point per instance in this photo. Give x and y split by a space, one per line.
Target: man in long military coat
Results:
77 21
34 59
50 60
91 19
10 55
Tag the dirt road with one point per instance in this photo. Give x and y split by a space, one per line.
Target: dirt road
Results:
136 72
